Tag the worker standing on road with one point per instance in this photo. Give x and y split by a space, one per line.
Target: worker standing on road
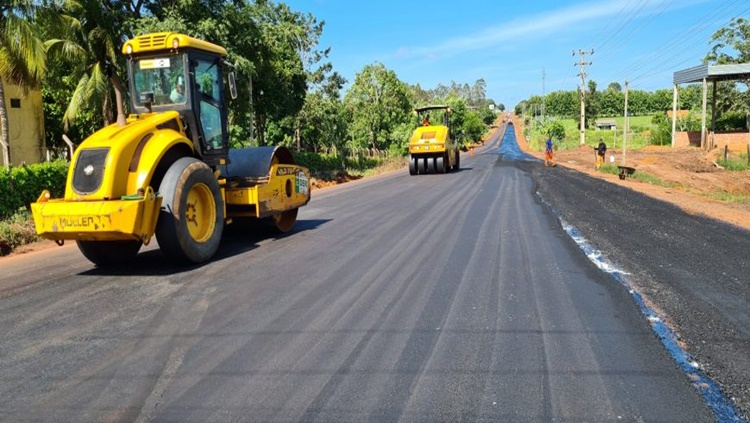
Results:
548 158
601 151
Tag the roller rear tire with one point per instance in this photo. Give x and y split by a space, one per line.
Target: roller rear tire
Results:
431 164
191 219
412 165
109 253
440 164
422 165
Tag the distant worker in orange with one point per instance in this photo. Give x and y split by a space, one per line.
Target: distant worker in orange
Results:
548 157
426 121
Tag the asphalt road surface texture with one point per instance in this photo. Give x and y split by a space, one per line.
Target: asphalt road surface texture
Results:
454 297
694 269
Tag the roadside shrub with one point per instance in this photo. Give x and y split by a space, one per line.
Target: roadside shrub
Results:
661 134
20 186
318 162
473 127
15 231
329 165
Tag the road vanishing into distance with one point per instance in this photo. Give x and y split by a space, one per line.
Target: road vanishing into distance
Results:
455 297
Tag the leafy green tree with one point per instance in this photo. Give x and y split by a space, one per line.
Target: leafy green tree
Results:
459 114
22 56
638 102
467 121
690 97
729 99
473 128
592 102
478 93
280 84
323 119
614 86
563 103
555 130
661 100
487 115
611 103
419 96
731 44
377 102
733 38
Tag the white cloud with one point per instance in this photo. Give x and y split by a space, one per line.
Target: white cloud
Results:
560 21
538 25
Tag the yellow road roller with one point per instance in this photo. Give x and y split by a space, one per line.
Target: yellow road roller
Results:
167 169
432 146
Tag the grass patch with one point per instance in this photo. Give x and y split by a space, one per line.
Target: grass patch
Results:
16 231
730 198
653 180
609 168
640 129
639 176
736 164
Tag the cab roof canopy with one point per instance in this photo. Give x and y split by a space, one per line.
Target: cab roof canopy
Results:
432 107
164 41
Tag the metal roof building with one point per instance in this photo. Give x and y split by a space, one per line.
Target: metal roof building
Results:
705 74
732 72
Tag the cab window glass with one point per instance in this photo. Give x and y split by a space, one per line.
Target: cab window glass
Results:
207 85
164 76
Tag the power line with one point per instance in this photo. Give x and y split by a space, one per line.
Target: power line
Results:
633 13
628 36
668 60
696 31
611 22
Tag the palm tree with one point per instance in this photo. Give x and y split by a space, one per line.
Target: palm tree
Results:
22 57
88 44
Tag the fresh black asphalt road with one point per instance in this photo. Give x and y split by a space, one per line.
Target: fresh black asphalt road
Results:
453 297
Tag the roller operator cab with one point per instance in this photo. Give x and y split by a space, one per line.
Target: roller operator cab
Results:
166 169
432 146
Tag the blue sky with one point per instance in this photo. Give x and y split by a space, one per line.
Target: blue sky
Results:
511 44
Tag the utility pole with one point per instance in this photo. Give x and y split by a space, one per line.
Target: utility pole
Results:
583 63
544 99
625 125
